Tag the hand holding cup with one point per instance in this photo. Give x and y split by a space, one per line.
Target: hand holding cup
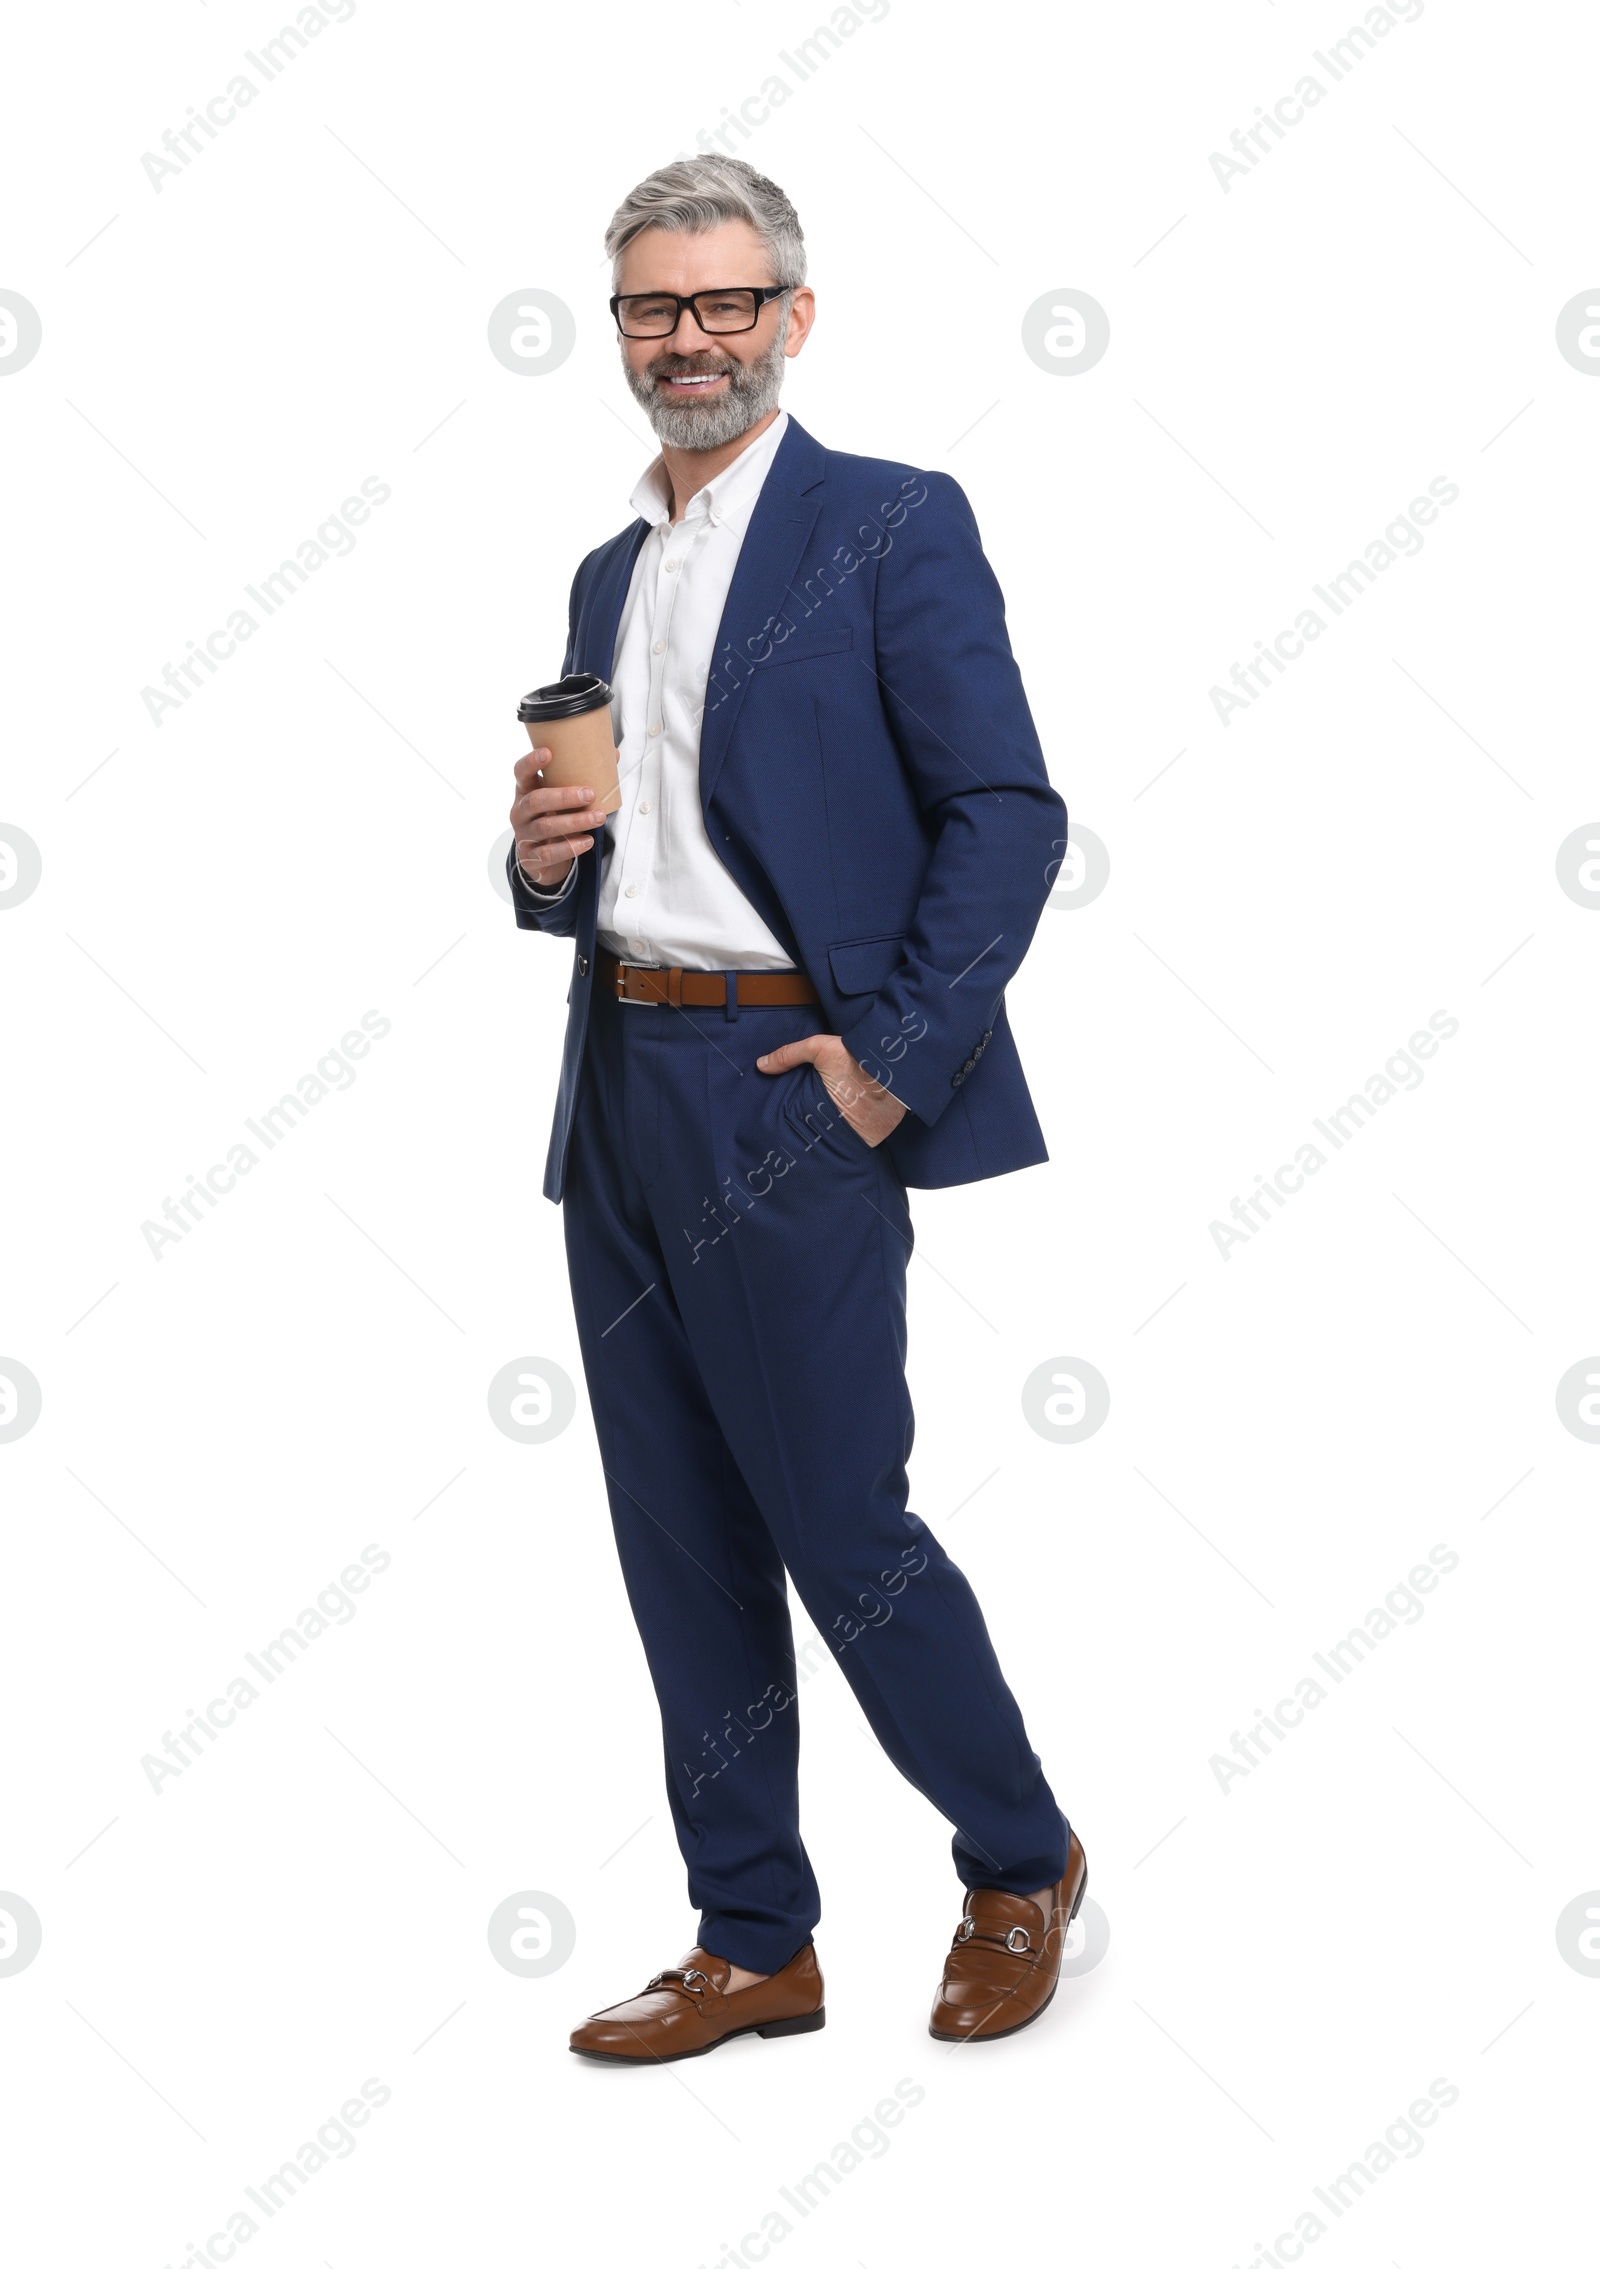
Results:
553 826
567 782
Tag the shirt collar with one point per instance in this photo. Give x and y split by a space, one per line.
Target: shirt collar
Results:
728 500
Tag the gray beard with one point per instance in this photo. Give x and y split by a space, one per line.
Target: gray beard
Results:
752 392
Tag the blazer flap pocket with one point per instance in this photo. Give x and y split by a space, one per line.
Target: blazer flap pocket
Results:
804 645
865 964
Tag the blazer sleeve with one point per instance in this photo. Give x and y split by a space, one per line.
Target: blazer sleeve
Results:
953 696
556 913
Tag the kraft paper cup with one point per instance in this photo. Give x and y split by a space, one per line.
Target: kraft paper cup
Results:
572 719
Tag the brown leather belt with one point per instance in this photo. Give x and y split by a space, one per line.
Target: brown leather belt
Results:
702 988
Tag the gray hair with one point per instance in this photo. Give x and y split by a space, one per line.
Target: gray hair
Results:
693 195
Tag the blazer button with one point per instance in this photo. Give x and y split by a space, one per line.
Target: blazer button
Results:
583 965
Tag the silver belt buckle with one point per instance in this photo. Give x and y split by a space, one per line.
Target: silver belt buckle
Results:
628 1000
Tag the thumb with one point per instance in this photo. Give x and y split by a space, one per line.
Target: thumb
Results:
785 1058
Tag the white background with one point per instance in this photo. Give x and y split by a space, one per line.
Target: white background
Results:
1292 1959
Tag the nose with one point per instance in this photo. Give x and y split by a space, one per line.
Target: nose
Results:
688 338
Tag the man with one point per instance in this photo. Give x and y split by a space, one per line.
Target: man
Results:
792 943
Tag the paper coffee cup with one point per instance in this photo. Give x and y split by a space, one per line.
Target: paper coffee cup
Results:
572 719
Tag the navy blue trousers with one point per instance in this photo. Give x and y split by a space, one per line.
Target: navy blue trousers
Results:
738 1261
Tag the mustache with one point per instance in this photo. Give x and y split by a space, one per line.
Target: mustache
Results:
691 366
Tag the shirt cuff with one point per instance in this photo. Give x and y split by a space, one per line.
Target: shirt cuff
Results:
547 897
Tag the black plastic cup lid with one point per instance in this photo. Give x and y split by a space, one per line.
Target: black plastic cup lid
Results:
572 696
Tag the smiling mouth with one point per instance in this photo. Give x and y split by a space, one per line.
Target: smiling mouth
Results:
694 382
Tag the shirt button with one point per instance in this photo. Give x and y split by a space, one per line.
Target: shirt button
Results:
632 890
640 947
655 728
672 567
659 647
646 807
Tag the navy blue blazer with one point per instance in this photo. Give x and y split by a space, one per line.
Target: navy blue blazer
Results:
871 778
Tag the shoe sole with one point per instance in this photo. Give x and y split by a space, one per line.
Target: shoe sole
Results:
1006 2032
776 2028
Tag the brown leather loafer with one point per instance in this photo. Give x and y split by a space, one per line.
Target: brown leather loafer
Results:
685 2012
1000 1972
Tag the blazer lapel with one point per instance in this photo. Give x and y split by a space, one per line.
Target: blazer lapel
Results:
774 545
600 617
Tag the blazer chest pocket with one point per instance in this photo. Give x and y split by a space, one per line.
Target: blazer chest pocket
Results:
862 965
806 645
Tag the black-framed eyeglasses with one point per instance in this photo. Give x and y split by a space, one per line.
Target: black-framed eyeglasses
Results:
656 315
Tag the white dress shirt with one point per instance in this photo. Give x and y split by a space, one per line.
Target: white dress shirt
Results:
665 896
